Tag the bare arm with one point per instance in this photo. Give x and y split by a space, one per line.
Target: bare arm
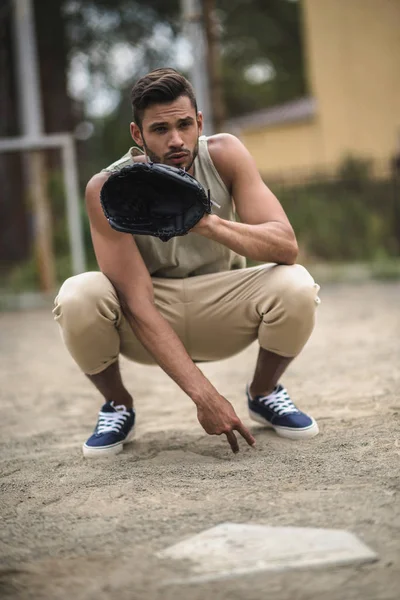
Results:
120 260
264 233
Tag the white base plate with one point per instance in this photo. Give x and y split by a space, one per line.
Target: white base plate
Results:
231 549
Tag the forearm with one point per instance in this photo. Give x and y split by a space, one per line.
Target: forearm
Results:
266 242
158 337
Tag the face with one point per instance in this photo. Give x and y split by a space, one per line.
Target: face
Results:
170 133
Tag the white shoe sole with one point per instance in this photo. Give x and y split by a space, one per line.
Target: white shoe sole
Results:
89 452
288 432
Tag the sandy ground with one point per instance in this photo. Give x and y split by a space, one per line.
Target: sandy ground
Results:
74 528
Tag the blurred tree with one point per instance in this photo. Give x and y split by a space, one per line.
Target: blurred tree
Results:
259 40
16 229
138 35
52 45
108 44
111 138
14 238
262 55
64 28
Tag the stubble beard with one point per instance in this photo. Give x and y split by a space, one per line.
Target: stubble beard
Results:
153 157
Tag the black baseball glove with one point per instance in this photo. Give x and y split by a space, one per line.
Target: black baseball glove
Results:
154 199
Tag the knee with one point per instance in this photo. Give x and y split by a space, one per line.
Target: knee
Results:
82 296
288 309
295 292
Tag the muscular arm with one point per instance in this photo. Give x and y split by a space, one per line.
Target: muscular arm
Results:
264 233
120 260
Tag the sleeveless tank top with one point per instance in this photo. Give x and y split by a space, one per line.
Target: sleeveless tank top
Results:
191 254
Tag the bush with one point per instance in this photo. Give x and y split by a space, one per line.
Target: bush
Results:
351 217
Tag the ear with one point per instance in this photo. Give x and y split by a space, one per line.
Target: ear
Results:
136 134
199 119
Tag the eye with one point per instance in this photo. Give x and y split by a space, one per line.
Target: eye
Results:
185 125
160 129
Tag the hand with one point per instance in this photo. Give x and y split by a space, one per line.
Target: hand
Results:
218 417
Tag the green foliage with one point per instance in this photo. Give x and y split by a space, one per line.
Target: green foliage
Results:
257 32
95 27
25 276
386 269
60 224
110 141
250 32
349 217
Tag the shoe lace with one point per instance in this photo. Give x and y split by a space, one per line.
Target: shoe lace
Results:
279 401
112 421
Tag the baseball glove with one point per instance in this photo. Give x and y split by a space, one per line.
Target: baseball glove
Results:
154 199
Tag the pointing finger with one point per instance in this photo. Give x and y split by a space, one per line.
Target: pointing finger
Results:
233 441
244 432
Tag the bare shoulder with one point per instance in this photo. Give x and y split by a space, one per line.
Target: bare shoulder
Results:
95 184
221 144
226 152
92 196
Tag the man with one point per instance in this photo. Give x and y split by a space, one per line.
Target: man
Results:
191 299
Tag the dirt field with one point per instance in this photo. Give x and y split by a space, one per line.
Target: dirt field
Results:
74 528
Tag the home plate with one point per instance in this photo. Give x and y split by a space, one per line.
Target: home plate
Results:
231 549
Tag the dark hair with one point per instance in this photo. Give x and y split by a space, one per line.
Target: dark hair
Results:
159 87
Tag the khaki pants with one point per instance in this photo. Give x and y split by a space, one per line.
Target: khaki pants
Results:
215 316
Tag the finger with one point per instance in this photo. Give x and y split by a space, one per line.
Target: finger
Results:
246 434
233 441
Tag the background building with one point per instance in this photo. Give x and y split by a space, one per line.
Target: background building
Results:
352 50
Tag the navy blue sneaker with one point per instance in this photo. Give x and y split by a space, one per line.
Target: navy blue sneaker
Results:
278 411
115 427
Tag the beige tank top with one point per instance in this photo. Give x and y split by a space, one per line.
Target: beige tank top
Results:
192 254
